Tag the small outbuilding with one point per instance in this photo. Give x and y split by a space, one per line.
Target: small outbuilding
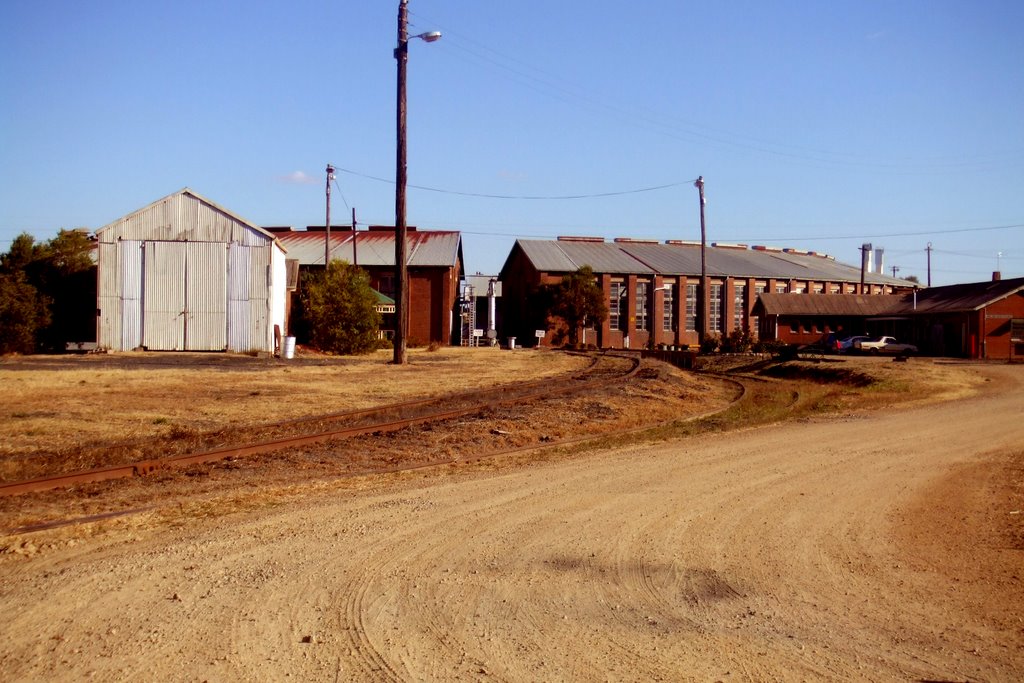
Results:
982 320
435 270
184 274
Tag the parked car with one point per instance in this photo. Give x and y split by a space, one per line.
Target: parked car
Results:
846 344
877 345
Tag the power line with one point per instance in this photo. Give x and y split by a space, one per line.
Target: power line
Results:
551 84
594 195
888 234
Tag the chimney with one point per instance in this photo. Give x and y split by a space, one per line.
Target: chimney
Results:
865 259
879 264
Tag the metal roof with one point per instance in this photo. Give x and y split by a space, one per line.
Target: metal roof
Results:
827 304
644 258
425 248
949 299
154 221
972 296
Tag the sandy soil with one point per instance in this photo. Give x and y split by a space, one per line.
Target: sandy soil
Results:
881 546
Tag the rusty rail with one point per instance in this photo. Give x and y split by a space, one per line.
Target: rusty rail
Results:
146 467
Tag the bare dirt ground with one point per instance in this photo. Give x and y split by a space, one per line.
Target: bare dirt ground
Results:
884 545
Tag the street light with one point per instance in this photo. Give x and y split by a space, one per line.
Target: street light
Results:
401 270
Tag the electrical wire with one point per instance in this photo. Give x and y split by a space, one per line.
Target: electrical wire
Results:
551 85
521 197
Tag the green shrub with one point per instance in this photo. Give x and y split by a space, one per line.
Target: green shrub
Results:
339 309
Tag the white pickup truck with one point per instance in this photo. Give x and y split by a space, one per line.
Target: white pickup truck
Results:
883 345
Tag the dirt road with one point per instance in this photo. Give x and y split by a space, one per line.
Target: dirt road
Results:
879 547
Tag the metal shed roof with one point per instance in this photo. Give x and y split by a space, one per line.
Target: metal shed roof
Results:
827 304
633 257
188 215
950 299
375 247
972 296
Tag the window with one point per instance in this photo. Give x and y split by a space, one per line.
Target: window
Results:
386 284
691 308
615 306
715 314
739 306
833 289
818 289
781 288
668 320
642 319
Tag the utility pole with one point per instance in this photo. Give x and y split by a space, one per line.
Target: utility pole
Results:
865 249
702 297
895 269
401 267
401 272
355 258
928 249
327 232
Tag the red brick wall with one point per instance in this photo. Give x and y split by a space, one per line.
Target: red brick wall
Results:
995 320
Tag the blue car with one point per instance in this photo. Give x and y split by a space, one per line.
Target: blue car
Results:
846 345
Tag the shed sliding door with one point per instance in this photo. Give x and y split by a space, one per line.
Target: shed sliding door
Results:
184 296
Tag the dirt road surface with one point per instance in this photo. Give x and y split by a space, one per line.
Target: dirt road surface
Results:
886 546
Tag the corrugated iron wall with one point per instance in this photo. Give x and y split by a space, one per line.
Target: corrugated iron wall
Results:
183 217
182 274
163 296
206 298
248 305
130 262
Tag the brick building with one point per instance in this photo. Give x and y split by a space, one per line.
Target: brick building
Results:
652 288
982 320
435 267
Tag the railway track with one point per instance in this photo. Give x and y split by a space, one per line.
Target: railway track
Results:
604 369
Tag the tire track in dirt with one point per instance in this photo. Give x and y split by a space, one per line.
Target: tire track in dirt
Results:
773 553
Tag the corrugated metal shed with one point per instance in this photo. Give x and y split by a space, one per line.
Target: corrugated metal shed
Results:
374 248
684 259
186 274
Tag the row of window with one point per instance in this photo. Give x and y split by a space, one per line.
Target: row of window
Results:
644 320
716 304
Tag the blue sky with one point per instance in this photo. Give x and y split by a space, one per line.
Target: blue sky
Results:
817 125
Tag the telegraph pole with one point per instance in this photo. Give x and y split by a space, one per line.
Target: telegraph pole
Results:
864 249
401 272
327 232
702 303
355 258
928 249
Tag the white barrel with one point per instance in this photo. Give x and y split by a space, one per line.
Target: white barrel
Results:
289 348
511 343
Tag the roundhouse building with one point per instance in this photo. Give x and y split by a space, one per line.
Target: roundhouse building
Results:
652 287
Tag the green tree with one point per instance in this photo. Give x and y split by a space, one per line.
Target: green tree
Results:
49 293
577 300
339 309
23 313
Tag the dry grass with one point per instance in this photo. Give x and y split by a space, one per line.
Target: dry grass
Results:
58 403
